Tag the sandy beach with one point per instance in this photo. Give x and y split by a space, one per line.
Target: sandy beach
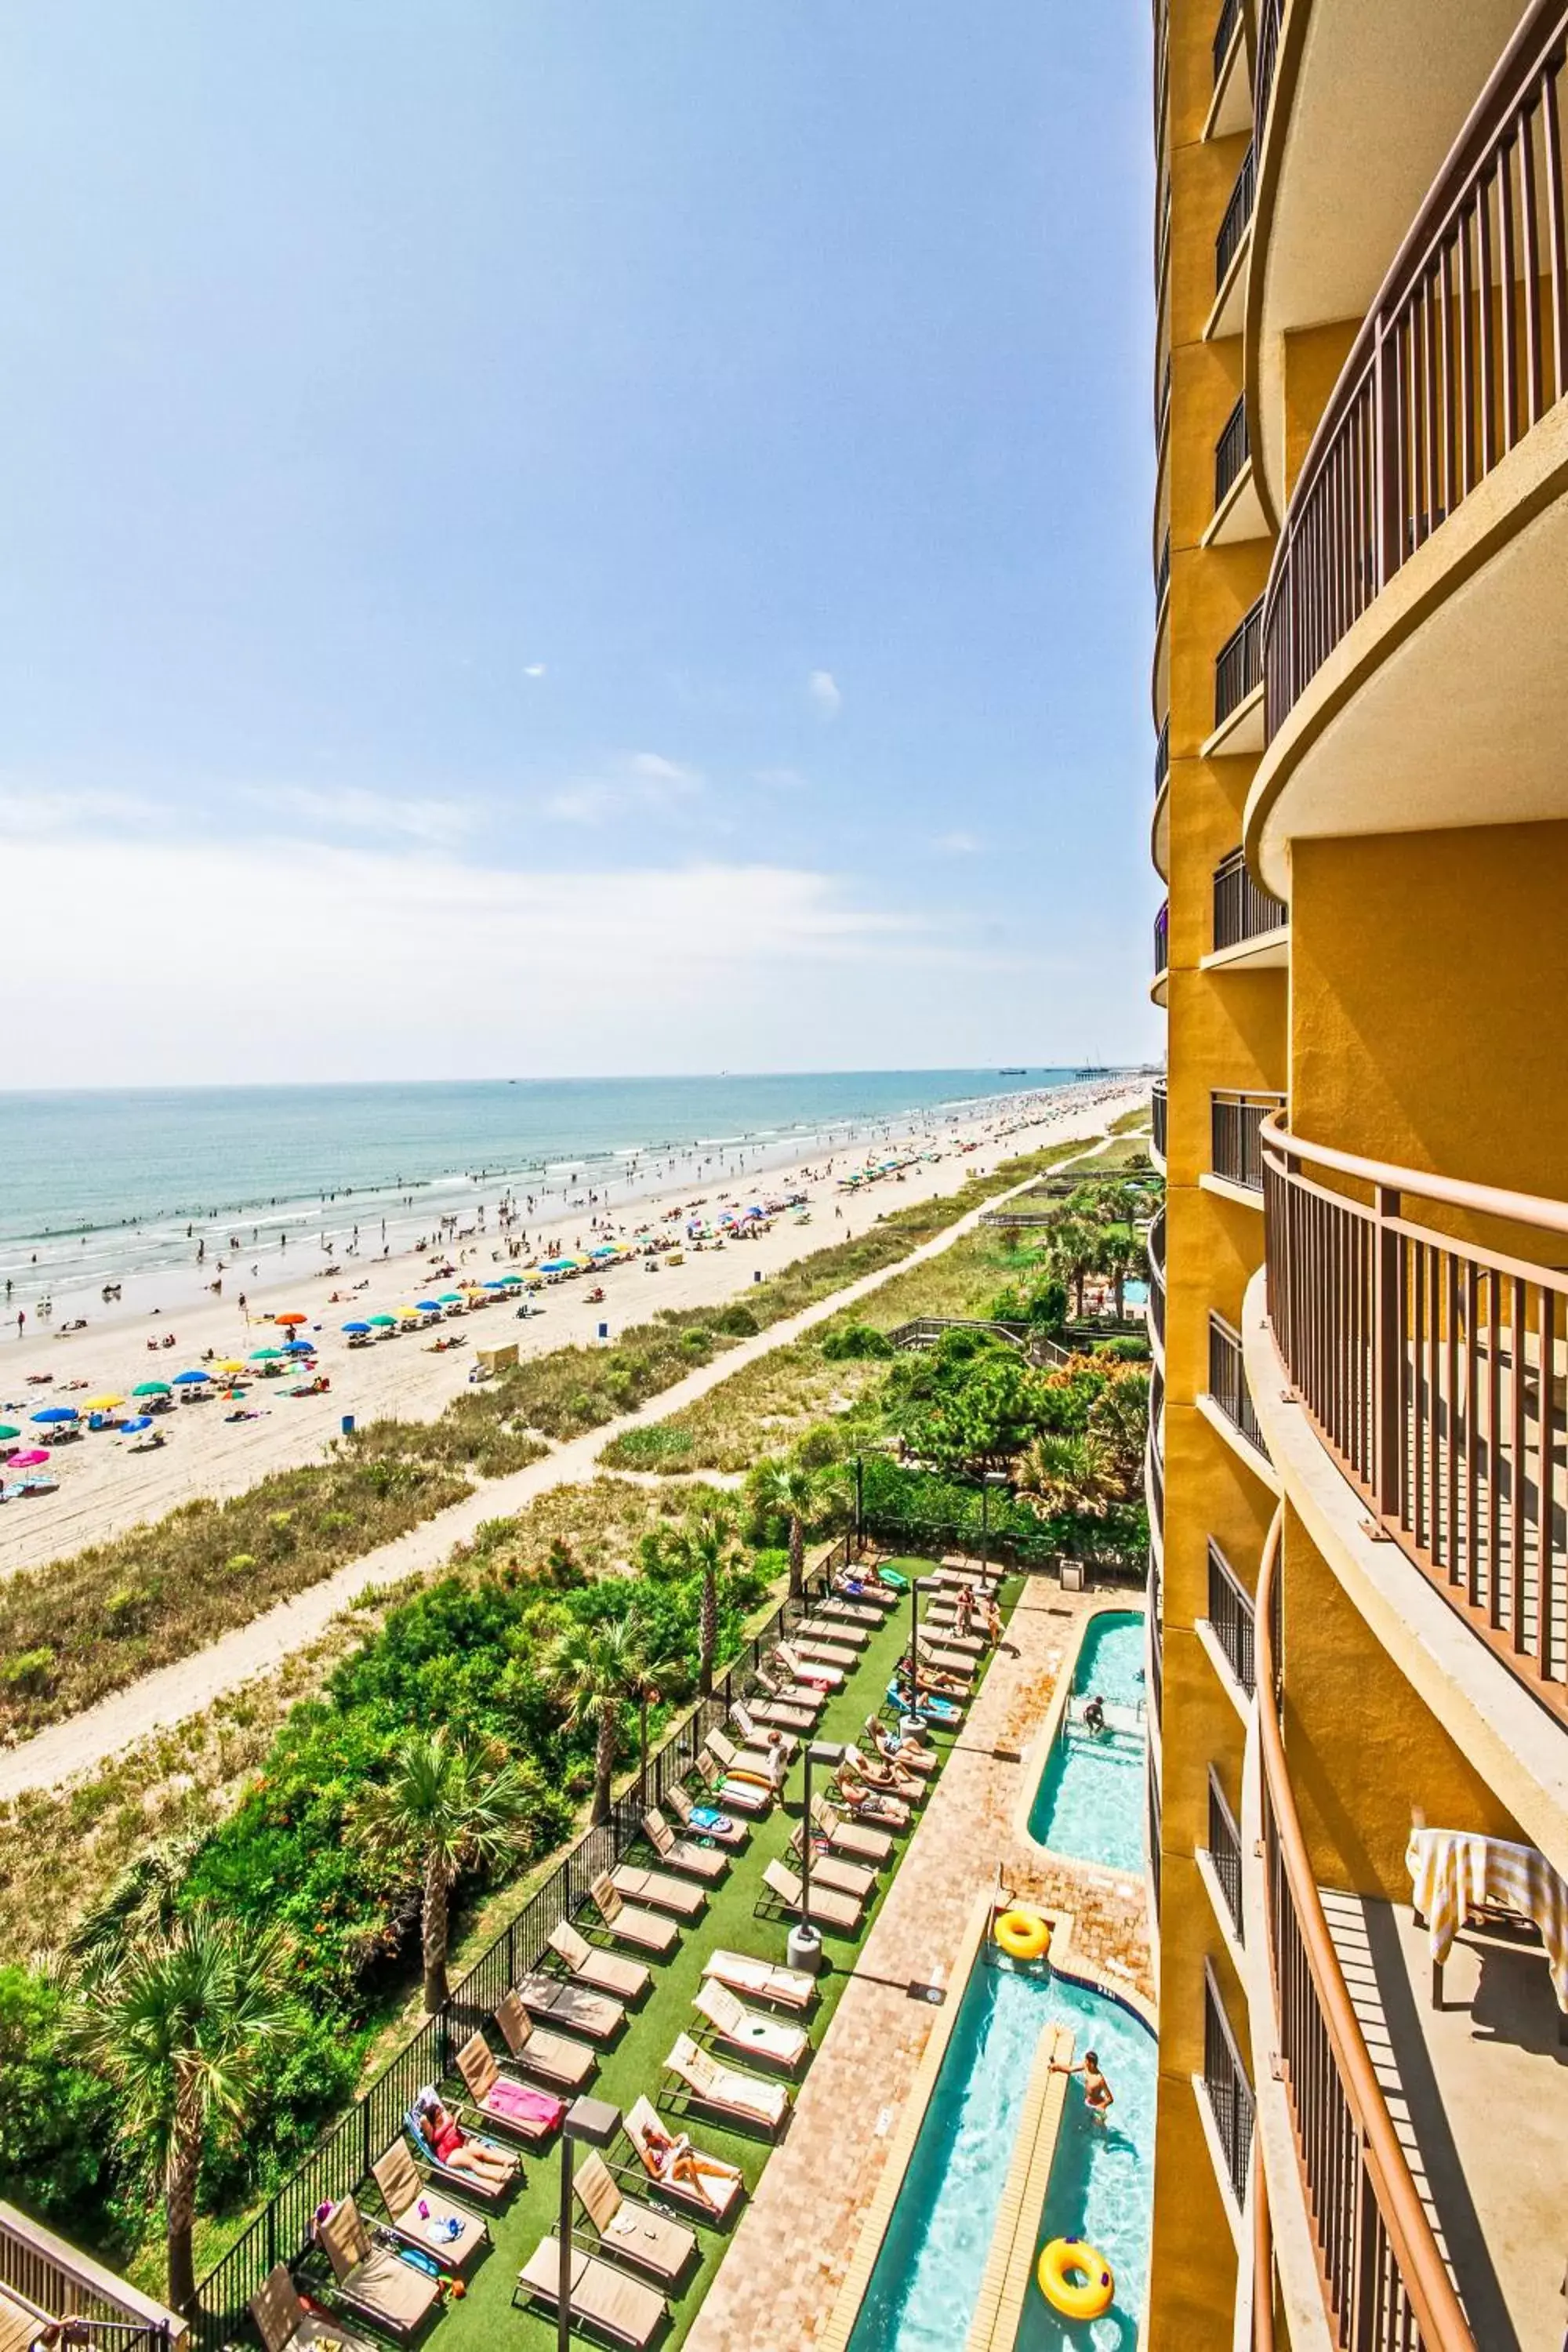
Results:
106 1484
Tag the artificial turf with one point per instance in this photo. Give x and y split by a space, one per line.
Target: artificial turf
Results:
634 2064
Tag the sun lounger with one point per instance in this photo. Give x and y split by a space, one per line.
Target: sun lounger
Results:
934 1706
704 1861
281 2320
734 1796
376 2279
470 2183
877 1807
628 2229
576 2007
725 2091
657 1887
714 2195
808 1670
647 1930
868 1592
448 2230
828 1869
945 1635
780 1689
560 2060
607 1971
812 1651
755 1735
850 1836
762 1980
829 1908
706 1820
913 1754
797 1714
600 2297
831 1634
756 1763
844 1611
774 2038
951 1662
514 2108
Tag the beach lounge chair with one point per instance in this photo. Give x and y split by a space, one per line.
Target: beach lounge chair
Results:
829 1870
845 1611
443 2229
704 1861
628 2229
876 1808
281 2320
706 1820
932 1709
645 1929
913 1755
833 1633
515 2108
812 1651
657 1887
755 1734
943 1626
951 1662
714 2197
470 2183
601 2297
797 1710
725 2091
829 1908
849 1836
772 2038
762 1980
376 2279
576 2007
808 1670
862 1585
747 1763
734 1796
775 1682
560 2061
605 1971
906 1787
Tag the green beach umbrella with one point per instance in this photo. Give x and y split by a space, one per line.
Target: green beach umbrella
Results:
383 1320
150 1388
450 1298
7 1432
264 1356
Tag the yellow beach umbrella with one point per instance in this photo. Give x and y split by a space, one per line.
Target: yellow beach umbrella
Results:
101 1404
231 1364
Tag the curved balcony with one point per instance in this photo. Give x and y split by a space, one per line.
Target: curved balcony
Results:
1235 1155
1250 926
1162 953
1160 1101
1238 688
1157 1286
1230 108
1440 466
1230 251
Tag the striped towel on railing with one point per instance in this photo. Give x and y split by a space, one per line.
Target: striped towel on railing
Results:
1453 1872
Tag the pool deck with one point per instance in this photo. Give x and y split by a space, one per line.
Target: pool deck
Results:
796 2242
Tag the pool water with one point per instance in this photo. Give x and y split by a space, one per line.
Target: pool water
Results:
1090 1801
926 2279
1135 1294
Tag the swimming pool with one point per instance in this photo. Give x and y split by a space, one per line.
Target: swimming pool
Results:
1090 1802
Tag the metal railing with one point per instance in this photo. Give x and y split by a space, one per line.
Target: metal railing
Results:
1227 1380
1163 237
1235 1121
1152 1814
1162 940
1434 1369
1385 2285
57 2282
1163 403
1462 354
1160 1108
926 1330
1224 1851
1157 1277
1243 909
1161 757
1156 1644
1238 214
1230 1619
1227 2089
1270 16
1238 665
1230 453
1225 33
1162 573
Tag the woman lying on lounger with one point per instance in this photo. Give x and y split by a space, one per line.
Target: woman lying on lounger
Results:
876 1773
908 1755
932 1679
453 2147
856 1795
674 2159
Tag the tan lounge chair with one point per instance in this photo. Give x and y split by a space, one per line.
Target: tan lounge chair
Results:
725 2090
952 1663
801 1698
704 1861
876 1807
882 1597
755 1735
812 1651
556 2058
849 1612
749 1763
808 1670
403 2190
828 1869
847 1640
607 1971
719 2192
732 1796
576 2007
943 1626
828 1909
281 2320
599 2296
913 1757
657 1887
372 2279
645 1929
759 2036
849 1836
791 1714
519 2109
632 2231
732 1835
762 1980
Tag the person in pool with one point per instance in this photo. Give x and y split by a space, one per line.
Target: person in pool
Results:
1097 2095
1094 1713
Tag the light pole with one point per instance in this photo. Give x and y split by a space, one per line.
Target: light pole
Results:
595 2123
913 1726
804 1944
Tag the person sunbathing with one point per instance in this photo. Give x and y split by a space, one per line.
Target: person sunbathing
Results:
933 1678
879 1775
894 1749
452 2147
671 2158
871 1804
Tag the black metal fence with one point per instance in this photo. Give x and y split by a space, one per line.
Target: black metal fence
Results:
1225 33
1238 214
1160 1105
1231 1618
1236 1119
1242 908
1161 757
1224 1853
1228 1382
1238 665
1230 452
1227 2089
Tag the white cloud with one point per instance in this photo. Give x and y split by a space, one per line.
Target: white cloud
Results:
957 845
30 813
350 808
636 782
533 669
822 688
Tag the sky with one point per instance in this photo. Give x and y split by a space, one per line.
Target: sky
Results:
572 536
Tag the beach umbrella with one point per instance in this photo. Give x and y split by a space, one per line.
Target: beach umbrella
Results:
192 1380
557 1265
7 1432
230 1364
100 1405
426 1307
382 1322
608 1250
35 1458
150 1388
356 1330
57 1412
408 1314
139 1422
266 1355
451 1298
495 1286
507 1280
292 1317
297 1348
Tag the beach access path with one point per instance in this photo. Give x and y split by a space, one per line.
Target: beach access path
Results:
172 1693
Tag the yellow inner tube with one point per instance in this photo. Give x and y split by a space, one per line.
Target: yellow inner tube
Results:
1022 1935
1085 2296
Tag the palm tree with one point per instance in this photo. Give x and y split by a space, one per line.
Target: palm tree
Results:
1071 1243
142 1901
790 1491
180 2025
1066 1474
705 1545
654 1674
445 1808
595 1670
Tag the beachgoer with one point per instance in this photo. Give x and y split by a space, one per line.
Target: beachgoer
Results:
672 2157
454 2148
993 1622
965 1611
778 1758
1097 2095
1094 1713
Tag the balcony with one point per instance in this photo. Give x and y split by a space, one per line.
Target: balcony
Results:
1224 2100
1223 1855
1235 1121
1153 1818
1230 254
1226 27
1239 668
1162 404
1230 1623
1162 238
1162 953
1162 573
1162 759
1238 514
1230 108
1226 1403
1156 1651
1161 1103
1157 1283
1249 922
50 2282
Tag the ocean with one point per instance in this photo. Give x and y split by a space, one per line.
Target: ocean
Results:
119 1186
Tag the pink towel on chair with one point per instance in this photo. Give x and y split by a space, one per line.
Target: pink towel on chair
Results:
524 2105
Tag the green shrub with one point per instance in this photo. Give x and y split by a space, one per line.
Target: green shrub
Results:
737 1322
659 1446
855 1342
56 2120
27 1670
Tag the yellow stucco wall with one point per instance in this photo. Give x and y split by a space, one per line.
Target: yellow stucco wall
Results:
1314 357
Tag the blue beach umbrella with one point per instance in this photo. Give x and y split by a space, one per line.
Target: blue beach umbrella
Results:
557 1264
426 1307
192 1380
299 1348
356 1330
57 1412
139 1422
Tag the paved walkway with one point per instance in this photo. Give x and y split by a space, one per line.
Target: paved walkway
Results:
173 1693
795 2241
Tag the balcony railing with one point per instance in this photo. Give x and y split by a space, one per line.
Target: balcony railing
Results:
1243 909
1152 1814
1238 665
1162 940
1156 1647
1235 1121
1464 351
1163 403
1224 1853
1157 1277
1161 236
1160 1102
1385 2286
1162 572
1230 453
1227 2089
57 2282
1161 757
1228 1382
1270 15
1238 214
1435 1370
1230 1619
1225 33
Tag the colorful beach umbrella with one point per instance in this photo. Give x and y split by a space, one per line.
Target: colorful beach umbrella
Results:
7 1432
557 1265
100 1405
356 1330
507 1280
451 1298
139 1422
382 1322
150 1388
266 1355
192 1380
292 1317
35 1458
426 1307
299 1348
230 1364
495 1286
57 1412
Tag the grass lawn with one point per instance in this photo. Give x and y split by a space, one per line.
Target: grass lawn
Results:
634 2064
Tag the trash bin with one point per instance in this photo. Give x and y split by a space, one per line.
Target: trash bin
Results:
348 1424
604 1331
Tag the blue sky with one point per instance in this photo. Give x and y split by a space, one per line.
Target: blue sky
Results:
575 537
